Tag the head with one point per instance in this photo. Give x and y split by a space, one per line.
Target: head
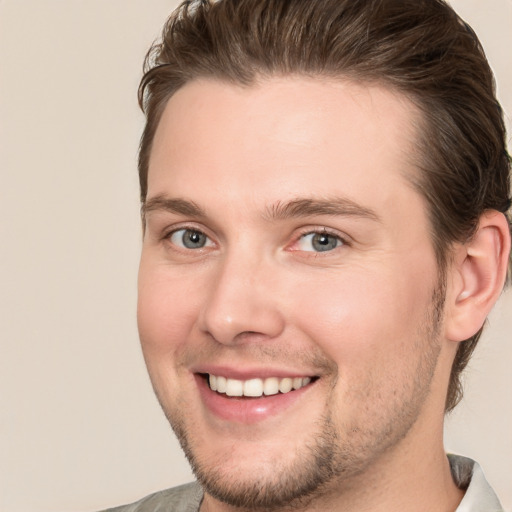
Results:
364 68
420 49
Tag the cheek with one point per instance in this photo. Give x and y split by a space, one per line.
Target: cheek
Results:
166 310
361 317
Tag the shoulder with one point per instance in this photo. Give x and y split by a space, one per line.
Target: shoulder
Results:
185 498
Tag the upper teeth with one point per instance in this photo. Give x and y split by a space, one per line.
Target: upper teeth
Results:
256 387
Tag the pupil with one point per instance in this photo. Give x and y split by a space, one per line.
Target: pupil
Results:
193 239
324 242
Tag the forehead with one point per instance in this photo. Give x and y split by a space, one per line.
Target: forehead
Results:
284 137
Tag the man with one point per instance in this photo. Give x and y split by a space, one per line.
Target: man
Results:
325 189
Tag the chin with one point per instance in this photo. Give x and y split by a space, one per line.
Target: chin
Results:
266 478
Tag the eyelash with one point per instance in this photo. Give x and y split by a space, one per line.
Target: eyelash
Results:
341 240
321 231
169 234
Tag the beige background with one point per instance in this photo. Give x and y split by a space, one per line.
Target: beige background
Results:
79 427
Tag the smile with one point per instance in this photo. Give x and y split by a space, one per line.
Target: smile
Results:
256 387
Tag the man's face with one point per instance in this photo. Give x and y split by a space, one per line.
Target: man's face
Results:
285 248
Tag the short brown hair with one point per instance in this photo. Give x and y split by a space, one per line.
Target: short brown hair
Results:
420 48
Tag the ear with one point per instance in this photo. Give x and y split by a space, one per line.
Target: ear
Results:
477 276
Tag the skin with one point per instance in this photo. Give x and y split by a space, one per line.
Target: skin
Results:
367 319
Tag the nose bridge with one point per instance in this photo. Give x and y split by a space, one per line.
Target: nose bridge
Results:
241 300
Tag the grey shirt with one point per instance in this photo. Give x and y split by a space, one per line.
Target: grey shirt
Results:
468 475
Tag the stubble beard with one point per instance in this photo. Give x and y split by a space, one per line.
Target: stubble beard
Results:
327 461
290 487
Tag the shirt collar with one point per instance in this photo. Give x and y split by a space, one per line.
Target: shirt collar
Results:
479 496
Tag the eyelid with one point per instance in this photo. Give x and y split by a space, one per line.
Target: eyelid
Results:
324 229
345 239
168 232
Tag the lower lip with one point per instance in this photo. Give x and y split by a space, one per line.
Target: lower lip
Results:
246 410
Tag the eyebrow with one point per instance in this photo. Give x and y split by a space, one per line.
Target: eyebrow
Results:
309 207
172 205
296 208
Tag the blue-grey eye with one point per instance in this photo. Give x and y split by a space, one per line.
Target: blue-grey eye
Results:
319 242
190 239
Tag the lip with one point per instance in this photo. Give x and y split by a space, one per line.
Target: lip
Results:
249 373
246 410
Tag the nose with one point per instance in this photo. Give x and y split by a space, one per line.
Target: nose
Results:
242 303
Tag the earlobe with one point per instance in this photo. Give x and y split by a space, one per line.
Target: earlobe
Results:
478 275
